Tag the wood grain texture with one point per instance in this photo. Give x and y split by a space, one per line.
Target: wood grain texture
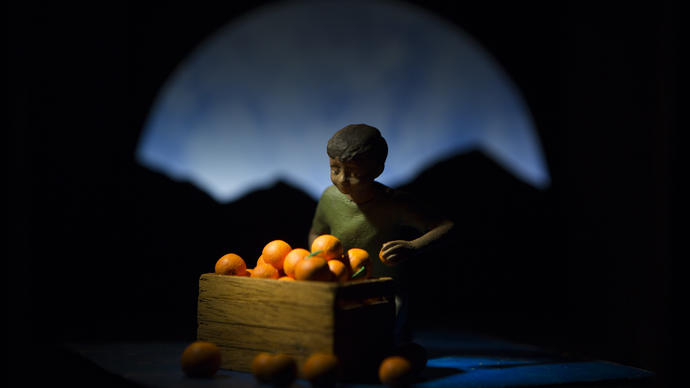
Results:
266 303
239 344
245 316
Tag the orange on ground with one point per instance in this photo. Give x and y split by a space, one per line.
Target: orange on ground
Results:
249 272
274 369
396 371
328 246
260 366
274 253
415 353
292 259
265 271
321 369
284 370
313 268
340 271
359 258
231 264
201 359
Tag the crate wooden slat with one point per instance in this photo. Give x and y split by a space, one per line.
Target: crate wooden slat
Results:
259 302
245 316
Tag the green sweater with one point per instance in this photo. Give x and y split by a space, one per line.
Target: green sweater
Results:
390 215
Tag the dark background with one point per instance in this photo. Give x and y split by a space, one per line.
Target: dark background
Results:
101 249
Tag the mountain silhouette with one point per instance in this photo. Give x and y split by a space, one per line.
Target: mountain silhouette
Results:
179 232
139 250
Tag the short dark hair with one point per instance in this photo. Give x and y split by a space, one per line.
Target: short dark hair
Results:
358 141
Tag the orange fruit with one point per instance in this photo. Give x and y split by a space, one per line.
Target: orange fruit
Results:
321 369
415 353
284 278
284 370
383 260
231 264
313 268
274 369
249 272
396 371
274 253
265 271
328 246
292 259
201 359
358 259
260 366
340 271
260 260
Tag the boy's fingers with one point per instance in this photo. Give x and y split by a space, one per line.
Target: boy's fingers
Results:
388 250
391 245
390 260
392 251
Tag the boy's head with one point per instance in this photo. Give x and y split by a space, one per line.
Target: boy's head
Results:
357 156
358 142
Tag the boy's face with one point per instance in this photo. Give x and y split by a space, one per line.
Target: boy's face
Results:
353 178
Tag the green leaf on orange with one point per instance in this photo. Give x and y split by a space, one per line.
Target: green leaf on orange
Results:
359 272
313 254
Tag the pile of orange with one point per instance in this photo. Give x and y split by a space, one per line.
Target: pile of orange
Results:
326 261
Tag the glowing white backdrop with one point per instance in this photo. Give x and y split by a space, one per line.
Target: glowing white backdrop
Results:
258 100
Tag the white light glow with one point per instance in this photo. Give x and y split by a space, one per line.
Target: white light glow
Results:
258 100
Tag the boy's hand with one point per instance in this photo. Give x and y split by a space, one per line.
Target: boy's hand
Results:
393 252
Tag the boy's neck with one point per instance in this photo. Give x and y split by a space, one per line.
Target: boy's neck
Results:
363 197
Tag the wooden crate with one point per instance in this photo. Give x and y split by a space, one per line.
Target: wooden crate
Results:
245 316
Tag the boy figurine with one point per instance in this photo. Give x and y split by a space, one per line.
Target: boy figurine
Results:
364 213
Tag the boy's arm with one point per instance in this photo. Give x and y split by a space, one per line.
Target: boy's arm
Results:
422 217
393 252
